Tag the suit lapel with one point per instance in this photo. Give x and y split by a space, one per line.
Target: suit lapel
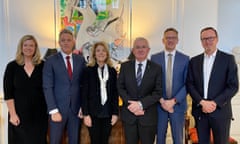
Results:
61 61
215 66
132 73
200 69
163 63
147 70
75 65
176 65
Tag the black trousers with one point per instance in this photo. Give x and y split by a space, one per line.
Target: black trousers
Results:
100 130
220 128
137 132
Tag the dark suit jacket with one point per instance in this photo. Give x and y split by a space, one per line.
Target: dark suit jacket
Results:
91 92
149 92
180 67
60 91
223 84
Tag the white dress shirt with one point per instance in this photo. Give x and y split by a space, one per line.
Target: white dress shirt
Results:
207 69
65 60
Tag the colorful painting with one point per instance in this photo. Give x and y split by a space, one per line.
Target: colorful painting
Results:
97 20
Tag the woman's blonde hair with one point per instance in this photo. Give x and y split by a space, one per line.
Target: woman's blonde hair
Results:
92 59
19 55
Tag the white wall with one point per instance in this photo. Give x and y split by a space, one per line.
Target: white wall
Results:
17 19
197 14
24 17
3 56
229 24
151 18
3 53
229 31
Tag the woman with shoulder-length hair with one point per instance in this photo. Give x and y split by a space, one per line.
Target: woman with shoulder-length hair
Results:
100 97
23 94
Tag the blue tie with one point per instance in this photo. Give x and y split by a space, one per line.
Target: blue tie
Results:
139 74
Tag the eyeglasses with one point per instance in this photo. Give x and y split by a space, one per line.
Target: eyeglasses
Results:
210 39
140 47
171 38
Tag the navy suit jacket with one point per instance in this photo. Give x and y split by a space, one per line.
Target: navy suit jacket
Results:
149 92
180 67
60 91
223 84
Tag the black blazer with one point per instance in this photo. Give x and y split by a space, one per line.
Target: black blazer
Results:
91 103
223 83
149 92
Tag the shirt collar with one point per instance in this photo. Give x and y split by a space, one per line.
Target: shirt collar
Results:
167 52
212 55
143 62
64 55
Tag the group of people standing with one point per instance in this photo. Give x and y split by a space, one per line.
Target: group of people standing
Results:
153 92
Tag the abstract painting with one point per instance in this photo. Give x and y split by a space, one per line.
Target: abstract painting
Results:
97 20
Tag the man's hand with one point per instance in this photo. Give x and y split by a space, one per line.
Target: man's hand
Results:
56 117
208 106
87 121
80 114
114 119
139 113
134 106
168 105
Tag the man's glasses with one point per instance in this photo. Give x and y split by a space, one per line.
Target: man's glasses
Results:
210 39
171 38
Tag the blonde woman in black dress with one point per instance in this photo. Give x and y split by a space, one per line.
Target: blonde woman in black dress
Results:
24 95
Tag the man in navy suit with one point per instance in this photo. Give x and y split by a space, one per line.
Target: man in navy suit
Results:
62 90
212 81
140 87
172 105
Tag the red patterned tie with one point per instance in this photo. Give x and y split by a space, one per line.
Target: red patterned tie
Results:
69 67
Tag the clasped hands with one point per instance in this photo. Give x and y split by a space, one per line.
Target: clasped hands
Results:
135 108
168 105
208 106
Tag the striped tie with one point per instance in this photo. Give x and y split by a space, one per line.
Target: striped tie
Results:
139 74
